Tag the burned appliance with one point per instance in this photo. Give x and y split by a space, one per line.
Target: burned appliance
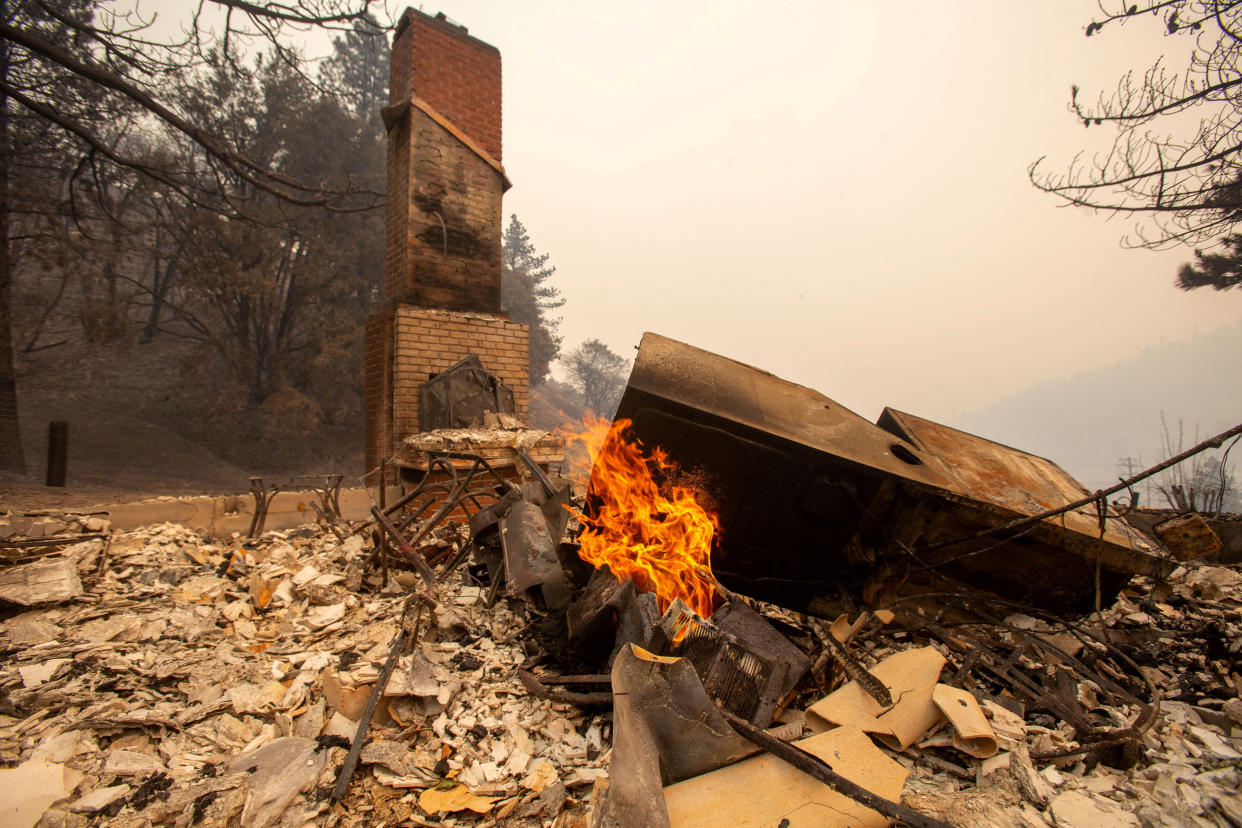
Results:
813 498
745 664
747 670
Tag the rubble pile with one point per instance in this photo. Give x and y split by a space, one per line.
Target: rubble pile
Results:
1173 766
191 681
755 614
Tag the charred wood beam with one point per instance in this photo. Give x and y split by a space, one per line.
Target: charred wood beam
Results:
598 678
27 543
1058 696
408 633
854 669
538 689
381 541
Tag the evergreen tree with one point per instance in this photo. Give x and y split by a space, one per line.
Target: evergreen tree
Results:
357 70
1221 271
527 297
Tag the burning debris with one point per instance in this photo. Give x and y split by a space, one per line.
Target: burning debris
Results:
753 615
661 543
813 500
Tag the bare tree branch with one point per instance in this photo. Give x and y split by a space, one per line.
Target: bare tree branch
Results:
1186 182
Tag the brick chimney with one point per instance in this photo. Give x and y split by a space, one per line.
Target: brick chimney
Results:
458 75
444 227
444 158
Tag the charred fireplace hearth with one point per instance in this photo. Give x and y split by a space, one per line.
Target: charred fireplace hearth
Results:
462 396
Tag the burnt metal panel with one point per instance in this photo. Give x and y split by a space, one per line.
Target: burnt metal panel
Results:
789 472
990 484
530 555
992 474
756 401
811 496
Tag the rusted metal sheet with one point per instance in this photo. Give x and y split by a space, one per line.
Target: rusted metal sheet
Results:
690 381
813 498
987 484
995 475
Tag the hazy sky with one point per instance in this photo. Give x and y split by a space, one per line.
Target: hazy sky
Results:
835 192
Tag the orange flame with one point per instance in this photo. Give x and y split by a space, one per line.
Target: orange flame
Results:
662 544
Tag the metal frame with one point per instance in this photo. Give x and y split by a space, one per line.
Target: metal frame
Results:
328 491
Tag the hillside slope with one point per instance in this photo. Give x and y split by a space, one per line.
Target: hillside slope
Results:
1089 421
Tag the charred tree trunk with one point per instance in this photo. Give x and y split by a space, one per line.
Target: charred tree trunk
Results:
159 293
11 457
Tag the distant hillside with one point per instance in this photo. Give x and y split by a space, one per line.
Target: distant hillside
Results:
1087 422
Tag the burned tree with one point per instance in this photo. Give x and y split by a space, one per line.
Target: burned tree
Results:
1201 484
528 298
599 374
270 294
1177 174
126 113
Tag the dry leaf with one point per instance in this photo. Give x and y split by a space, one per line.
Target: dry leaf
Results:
456 798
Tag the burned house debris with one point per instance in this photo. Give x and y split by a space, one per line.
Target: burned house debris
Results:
442 288
469 655
787 469
756 608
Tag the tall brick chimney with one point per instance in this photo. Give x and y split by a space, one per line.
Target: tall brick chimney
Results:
444 158
445 183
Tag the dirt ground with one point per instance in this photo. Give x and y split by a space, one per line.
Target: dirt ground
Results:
135 432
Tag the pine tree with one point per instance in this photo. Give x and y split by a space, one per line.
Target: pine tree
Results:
527 297
1221 271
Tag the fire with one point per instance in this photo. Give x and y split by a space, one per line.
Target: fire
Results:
662 544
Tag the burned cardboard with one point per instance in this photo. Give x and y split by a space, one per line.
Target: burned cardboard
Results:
772 792
812 498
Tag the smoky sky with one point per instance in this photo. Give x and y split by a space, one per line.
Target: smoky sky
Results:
834 192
